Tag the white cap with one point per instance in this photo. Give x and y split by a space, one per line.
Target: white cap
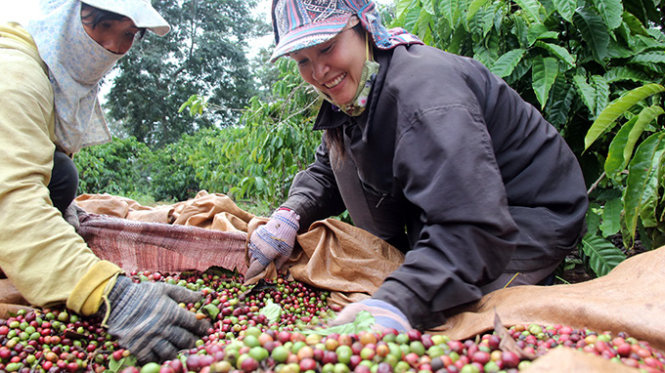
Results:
140 12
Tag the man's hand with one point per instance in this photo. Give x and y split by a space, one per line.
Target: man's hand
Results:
148 321
272 241
386 316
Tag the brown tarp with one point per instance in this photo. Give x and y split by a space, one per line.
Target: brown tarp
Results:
211 230
573 361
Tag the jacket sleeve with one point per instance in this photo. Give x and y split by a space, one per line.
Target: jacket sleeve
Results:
40 252
467 236
314 194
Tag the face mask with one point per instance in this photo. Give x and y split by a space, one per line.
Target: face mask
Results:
367 77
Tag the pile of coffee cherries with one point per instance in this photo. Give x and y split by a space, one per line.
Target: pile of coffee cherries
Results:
275 326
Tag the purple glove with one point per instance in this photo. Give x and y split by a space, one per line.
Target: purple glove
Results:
386 316
273 241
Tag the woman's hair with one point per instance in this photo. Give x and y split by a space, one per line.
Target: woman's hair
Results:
97 16
334 137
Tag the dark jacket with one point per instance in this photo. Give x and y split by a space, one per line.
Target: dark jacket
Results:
452 167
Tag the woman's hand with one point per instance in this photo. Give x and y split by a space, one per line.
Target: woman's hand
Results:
273 241
386 316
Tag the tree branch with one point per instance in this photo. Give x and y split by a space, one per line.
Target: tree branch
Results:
595 184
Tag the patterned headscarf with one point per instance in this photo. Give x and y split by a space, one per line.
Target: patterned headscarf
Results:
300 24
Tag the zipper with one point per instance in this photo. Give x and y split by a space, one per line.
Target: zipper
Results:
383 196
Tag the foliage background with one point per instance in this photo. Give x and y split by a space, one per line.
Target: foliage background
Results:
595 68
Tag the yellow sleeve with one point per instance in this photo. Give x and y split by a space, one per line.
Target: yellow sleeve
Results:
40 252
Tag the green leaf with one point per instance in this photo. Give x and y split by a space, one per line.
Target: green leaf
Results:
594 32
603 256
586 91
592 218
458 39
411 18
424 32
428 6
621 73
611 11
211 310
535 30
634 24
560 101
611 217
646 116
559 52
117 365
272 311
531 7
618 107
402 5
544 72
487 21
505 64
566 8
602 89
363 322
448 8
642 182
649 58
615 161
474 7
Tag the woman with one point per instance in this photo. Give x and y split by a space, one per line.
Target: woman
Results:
430 152
49 81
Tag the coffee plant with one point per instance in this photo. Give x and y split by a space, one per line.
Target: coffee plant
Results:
279 326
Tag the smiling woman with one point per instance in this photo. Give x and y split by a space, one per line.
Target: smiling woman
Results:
430 152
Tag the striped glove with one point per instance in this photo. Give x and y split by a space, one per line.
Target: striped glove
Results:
386 316
148 321
273 241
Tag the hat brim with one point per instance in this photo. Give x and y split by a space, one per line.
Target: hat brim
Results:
140 12
309 35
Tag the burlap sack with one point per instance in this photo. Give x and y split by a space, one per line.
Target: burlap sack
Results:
135 245
346 260
207 230
121 207
211 211
567 360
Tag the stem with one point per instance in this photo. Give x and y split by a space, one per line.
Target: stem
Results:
595 184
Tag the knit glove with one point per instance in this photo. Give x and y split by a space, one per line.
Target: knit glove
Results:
72 215
148 321
386 316
272 241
